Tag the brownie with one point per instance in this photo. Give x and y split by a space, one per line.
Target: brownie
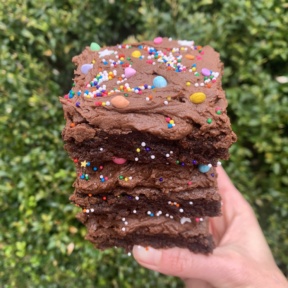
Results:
158 232
176 189
146 125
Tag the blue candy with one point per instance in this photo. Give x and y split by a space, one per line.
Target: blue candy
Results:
203 168
159 82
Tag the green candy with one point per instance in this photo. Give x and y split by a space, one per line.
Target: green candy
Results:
95 46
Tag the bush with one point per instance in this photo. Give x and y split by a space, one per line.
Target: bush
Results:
41 242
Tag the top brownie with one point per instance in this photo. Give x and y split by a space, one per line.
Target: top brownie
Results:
159 100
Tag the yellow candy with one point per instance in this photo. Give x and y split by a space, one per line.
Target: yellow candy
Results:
197 97
136 54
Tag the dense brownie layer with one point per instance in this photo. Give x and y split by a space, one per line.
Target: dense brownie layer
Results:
157 232
143 201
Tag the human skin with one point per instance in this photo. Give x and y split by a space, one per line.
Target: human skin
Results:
242 257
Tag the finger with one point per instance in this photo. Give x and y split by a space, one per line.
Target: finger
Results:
227 189
179 262
196 283
239 216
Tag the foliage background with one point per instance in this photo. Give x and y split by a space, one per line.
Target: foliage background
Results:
41 243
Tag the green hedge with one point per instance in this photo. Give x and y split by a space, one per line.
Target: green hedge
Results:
41 243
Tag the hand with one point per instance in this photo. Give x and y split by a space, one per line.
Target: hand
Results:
241 258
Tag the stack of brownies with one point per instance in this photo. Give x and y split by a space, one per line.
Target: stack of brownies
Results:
146 125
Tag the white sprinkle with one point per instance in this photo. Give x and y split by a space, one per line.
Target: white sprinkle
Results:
101 149
167 215
219 163
129 254
123 219
201 84
196 84
92 210
167 155
126 223
201 219
191 203
166 102
134 211
169 202
171 152
181 210
87 211
136 159
171 217
209 165
148 212
184 220
143 144
137 198
152 156
107 103
130 177
123 229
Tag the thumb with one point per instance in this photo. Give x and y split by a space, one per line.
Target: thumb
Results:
180 262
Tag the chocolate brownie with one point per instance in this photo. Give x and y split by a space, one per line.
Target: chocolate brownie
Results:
146 124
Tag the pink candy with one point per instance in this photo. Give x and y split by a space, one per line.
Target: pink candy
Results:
158 40
129 72
119 161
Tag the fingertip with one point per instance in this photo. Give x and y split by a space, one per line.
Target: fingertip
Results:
147 256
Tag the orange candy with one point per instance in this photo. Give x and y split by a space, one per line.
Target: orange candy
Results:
190 57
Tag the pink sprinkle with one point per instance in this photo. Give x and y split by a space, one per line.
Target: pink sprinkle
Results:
101 167
106 178
190 183
197 219
119 161
149 61
198 57
217 108
158 40
202 52
167 119
66 96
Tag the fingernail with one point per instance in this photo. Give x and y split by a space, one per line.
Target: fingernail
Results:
147 255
